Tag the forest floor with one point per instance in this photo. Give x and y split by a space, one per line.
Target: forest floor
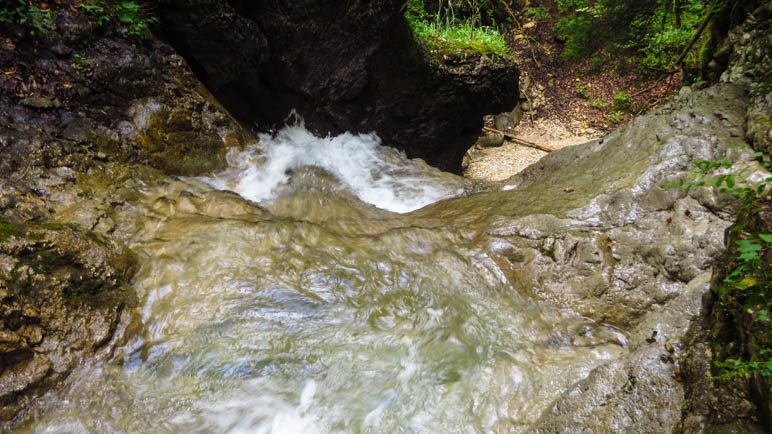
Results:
572 101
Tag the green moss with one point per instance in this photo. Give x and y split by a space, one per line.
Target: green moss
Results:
54 226
175 148
15 275
8 230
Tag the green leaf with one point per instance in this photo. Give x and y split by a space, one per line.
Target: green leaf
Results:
735 275
767 238
749 256
131 6
747 282
748 250
763 315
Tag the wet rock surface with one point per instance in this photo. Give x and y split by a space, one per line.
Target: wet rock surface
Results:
106 94
640 233
71 101
596 230
63 293
599 229
351 66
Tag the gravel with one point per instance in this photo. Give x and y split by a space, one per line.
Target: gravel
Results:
498 164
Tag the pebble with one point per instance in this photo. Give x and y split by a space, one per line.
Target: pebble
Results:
499 164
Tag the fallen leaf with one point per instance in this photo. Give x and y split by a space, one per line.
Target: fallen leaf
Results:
677 377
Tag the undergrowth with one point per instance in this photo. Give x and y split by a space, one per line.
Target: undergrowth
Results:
747 285
37 18
654 32
131 18
446 35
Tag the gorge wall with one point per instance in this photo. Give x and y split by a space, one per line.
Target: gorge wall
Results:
343 66
620 248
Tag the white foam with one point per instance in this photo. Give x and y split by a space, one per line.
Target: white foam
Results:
253 410
376 174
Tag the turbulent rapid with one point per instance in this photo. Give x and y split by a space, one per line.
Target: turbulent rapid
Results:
376 174
305 304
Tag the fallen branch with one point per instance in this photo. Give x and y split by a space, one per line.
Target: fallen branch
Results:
519 140
656 83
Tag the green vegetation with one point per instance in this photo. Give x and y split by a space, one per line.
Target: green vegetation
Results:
538 12
582 89
445 34
704 175
8 230
615 117
80 63
129 15
748 286
734 367
35 19
748 282
623 102
657 32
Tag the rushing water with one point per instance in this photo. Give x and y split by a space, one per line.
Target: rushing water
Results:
321 310
375 174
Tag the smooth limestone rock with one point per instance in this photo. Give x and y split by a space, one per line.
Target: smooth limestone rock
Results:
620 246
343 66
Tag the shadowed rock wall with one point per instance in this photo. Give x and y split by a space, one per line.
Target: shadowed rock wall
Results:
344 66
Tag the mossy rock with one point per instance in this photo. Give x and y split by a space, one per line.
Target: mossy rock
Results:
64 291
7 230
173 143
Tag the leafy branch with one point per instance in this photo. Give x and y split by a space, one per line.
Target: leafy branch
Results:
747 286
734 367
37 19
129 15
704 175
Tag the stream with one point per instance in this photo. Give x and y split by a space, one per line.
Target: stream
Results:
322 303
